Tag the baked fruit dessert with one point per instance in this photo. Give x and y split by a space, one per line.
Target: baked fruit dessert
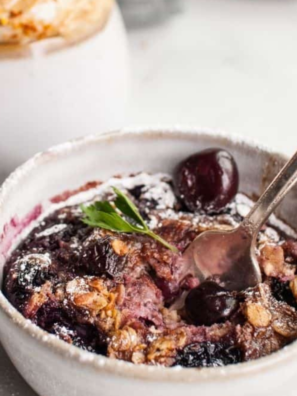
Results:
102 269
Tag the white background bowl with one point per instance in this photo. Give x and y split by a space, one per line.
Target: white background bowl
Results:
53 367
49 96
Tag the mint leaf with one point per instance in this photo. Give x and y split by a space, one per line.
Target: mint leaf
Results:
109 221
127 207
104 206
102 214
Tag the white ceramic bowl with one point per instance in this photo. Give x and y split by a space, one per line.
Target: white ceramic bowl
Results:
54 368
51 92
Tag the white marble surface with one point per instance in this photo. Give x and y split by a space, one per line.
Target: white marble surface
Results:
228 64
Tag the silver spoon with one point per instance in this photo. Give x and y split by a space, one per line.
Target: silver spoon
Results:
231 254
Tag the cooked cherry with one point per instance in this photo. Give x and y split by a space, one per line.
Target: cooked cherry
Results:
207 181
281 291
137 191
50 313
208 354
32 275
209 303
90 338
99 258
52 317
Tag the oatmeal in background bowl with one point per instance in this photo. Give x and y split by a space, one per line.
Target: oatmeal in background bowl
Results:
92 262
64 70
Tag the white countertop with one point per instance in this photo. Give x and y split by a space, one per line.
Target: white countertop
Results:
227 64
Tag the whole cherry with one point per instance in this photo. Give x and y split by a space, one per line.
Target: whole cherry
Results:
209 303
207 181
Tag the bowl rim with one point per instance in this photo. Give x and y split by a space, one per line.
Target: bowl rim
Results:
117 367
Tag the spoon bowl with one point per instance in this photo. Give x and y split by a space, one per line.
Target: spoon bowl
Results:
227 254
231 255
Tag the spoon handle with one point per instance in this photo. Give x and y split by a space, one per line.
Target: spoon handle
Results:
272 196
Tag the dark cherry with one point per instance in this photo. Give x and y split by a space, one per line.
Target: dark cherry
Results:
16 294
209 303
207 180
18 282
52 313
74 228
137 191
281 291
31 276
51 316
143 204
99 258
88 337
208 354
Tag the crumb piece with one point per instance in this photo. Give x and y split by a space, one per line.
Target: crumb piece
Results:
163 350
293 287
272 261
257 315
119 247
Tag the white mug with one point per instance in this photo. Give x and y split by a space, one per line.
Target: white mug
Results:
51 92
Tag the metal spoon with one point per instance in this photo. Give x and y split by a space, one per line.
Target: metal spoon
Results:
231 254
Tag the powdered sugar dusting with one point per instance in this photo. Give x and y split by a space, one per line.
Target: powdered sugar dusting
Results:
52 230
77 286
41 260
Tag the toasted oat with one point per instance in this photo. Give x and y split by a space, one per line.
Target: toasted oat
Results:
124 340
138 357
38 299
163 349
92 301
272 260
284 321
257 315
293 287
120 247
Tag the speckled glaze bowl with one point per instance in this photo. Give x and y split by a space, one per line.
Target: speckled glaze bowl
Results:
54 368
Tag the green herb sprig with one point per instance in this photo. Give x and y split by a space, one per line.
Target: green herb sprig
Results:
104 215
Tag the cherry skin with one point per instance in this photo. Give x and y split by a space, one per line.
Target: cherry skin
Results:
209 303
98 258
207 181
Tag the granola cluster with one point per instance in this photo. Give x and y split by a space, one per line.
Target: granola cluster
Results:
24 21
123 295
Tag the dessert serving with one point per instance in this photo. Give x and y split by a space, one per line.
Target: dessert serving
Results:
102 269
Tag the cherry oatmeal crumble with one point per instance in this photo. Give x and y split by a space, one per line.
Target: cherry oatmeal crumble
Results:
129 297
